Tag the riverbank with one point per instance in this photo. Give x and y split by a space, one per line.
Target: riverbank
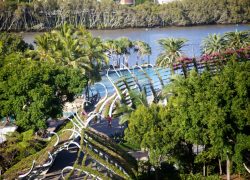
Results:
136 28
46 15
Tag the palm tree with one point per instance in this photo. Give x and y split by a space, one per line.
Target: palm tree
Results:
142 49
125 46
213 43
76 48
95 55
43 50
237 39
73 47
114 50
171 51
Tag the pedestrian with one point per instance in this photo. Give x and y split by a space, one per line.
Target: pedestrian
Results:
109 121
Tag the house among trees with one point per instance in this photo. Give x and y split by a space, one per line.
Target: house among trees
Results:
127 2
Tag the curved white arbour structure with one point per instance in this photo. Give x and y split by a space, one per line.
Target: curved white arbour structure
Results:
158 74
73 132
76 169
106 101
248 170
50 162
26 174
78 121
112 105
92 116
73 142
57 138
112 82
133 76
106 93
79 128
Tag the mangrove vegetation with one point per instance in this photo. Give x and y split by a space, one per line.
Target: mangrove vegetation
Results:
35 15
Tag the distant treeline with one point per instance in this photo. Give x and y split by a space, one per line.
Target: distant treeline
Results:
44 15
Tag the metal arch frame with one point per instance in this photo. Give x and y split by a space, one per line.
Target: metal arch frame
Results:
75 124
138 67
72 168
248 170
112 82
73 142
149 79
111 106
115 70
73 132
90 118
158 74
57 140
74 129
91 113
106 101
106 93
26 174
77 120
51 160
135 79
77 115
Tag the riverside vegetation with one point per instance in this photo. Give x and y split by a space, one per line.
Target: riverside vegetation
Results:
34 15
208 109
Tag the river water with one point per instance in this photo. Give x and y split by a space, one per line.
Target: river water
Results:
194 35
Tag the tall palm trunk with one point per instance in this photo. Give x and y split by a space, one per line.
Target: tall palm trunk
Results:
228 168
172 69
204 169
220 166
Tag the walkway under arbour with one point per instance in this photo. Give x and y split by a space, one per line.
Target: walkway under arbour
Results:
69 158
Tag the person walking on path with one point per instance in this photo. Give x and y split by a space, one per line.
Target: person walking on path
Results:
109 121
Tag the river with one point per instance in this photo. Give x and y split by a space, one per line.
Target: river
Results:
194 35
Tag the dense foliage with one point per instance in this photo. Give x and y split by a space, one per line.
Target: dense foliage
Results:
35 84
72 48
205 123
18 146
43 15
33 91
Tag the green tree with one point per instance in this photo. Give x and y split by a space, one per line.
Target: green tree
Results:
142 49
212 111
171 51
111 49
143 125
33 91
238 39
73 47
11 42
213 43
125 45
18 146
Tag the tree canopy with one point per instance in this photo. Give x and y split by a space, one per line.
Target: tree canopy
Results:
207 111
32 91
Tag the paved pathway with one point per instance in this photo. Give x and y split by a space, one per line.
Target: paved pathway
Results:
104 127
